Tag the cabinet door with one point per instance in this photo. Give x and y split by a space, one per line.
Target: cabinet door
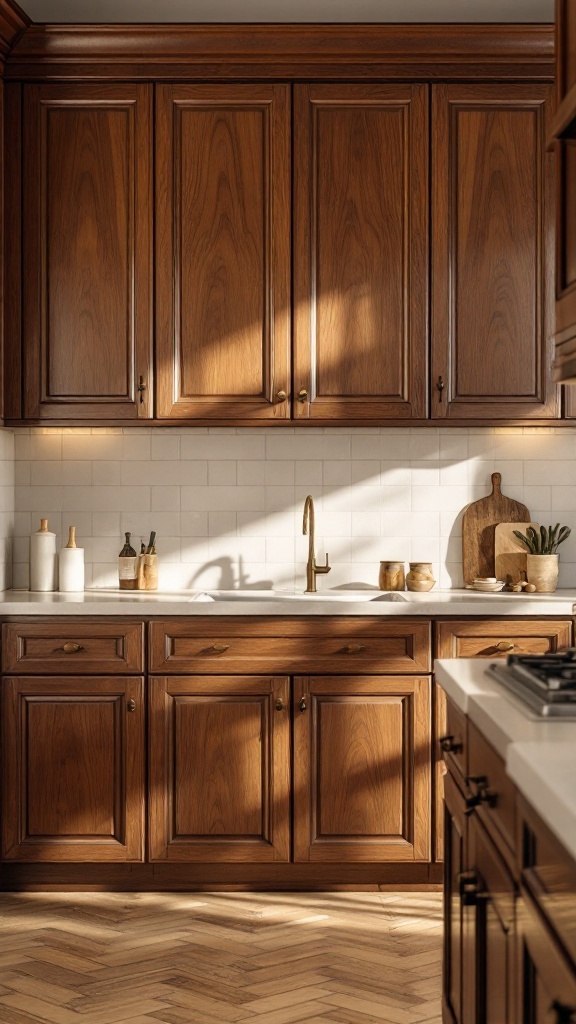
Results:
564 132
73 769
361 251
493 237
492 894
219 769
459 961
547 990
362 769
87 251
222 251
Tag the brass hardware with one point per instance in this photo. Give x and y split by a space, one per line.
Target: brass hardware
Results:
448 746
280 705
564 1014
303 395
131 705
505 645
312 570
281 396
353 648
220 648
142 388
70 648
302 705
440 388
483 794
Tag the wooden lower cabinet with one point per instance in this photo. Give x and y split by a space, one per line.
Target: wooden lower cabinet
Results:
73 768
458 951
547 990
362 775
219 768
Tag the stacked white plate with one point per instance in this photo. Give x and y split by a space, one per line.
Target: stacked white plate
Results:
488 586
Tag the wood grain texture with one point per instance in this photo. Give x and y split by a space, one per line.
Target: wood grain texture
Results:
87 253
13 23
361 209
362 769
465 638
565 47
509 552
500 819
219 769
202 52
222 251
72 769
492 253
12 267
478 526
38 647
547 974
458 966
289 645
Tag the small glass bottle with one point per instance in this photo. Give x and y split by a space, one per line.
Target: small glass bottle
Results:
127 567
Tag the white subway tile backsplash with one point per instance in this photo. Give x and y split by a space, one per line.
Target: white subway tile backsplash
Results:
227 503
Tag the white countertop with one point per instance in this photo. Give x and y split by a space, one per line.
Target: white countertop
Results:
269 602
540 755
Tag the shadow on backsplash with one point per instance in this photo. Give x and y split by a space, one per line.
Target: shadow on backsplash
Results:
227 504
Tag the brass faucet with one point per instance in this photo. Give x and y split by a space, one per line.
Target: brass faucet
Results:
312 569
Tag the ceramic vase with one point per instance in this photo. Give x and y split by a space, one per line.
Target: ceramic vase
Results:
542 571
420 578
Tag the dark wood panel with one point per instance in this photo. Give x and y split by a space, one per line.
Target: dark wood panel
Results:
493 244
546 977
219 769
498 811
565 23
494 52
73 769
288 646
223 251
13 23
361 221
362 769
459 961
12 266
73 647
87 251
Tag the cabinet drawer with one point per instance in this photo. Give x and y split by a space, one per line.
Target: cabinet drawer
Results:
485 766
493 638
454 741
289 646
71 647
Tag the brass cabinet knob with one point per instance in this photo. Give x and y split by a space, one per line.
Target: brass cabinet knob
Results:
505 645
280 705
131 705
281 396
220 648
303 395
70 648
449 746
353 648
302 705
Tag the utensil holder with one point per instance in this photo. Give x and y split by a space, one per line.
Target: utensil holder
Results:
147 578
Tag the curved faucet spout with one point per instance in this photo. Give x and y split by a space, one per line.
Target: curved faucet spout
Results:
308 527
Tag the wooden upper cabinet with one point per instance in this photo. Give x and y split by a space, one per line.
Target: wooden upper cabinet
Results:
492 224
223 251
87 251
360 251
563 134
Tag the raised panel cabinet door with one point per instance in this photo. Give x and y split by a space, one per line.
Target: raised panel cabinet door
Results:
563 132
360 251
362 773
458 954
73 769
223 251
547 982
219 769
493 253
87 162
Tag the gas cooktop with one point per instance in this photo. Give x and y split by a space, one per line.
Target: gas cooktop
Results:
545 682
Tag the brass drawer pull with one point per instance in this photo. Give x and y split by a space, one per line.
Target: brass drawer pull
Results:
302 705
449 746
70 648
353 648
131 705
505 645
220 648
280 705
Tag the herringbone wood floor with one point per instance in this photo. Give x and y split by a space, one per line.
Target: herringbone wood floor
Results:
272 958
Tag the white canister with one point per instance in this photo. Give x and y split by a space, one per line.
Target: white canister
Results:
43 560
71 566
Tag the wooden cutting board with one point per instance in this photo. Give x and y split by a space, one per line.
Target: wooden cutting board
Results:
509 552
478 528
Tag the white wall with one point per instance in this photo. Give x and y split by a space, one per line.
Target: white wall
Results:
227 504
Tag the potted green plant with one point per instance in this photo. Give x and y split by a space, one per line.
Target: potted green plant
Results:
542 557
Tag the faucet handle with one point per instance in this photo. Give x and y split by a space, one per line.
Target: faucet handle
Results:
322 568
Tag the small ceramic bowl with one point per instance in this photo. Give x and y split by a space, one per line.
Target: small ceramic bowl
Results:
488 586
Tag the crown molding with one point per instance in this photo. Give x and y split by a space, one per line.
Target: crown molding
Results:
142 52
13 24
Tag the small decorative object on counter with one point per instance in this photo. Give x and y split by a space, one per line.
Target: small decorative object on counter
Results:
127 566
71 566
148 565
391 576
542 558
43 559
420 577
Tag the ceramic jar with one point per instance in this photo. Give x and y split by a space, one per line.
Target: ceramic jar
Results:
542 571
420 578
391 576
